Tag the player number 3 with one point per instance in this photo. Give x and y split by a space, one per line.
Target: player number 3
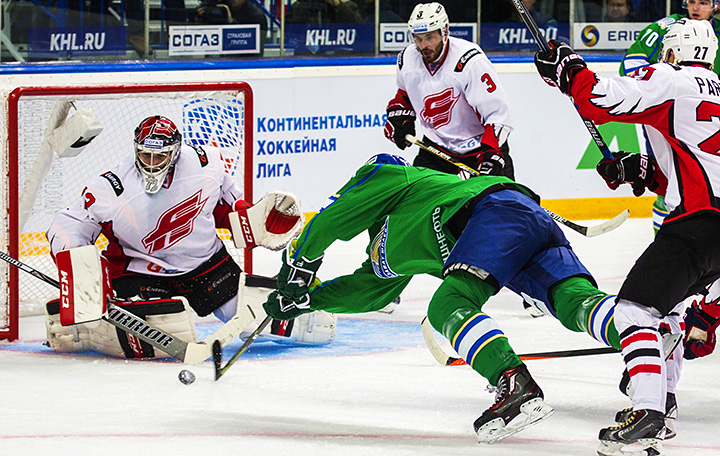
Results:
489 82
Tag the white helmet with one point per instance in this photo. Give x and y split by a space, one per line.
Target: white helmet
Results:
715 4
157 146
691 42
428 17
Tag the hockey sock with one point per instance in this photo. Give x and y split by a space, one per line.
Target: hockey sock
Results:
455 310
581 307
659 212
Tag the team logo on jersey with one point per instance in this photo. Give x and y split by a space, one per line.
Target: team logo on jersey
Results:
174 224
464 59
437 108
666 22
378 254
114 182
590 35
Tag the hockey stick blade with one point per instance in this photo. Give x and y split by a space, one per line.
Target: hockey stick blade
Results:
217 352
596 230
447 360
584 230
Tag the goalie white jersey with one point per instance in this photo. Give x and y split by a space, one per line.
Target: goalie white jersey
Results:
681 107
165 233
457 100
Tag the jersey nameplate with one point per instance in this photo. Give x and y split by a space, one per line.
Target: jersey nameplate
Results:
464 59
114 182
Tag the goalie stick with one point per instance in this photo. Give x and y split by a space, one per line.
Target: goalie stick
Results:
187 352
542 43
670 342
588 231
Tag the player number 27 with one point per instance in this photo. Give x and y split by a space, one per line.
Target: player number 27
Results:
706 112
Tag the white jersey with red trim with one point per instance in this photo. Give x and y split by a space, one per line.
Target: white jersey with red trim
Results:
456 100
167 233
681 107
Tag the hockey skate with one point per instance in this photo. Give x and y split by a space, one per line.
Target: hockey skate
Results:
640 435
518 404
671 413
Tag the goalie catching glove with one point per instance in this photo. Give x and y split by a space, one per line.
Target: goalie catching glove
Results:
292 297
558 65
271 223
638 170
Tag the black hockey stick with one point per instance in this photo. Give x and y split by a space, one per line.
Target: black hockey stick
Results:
447 360
542 43
588 231
191 353
217 350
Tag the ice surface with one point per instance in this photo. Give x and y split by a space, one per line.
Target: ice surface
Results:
376 390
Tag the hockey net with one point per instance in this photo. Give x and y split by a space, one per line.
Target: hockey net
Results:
37 182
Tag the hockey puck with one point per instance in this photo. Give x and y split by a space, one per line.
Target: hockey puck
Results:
186 377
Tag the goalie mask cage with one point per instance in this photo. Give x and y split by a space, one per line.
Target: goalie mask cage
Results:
37 182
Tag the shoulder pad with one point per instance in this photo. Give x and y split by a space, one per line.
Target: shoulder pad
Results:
465 58
400 59
114 182
202 156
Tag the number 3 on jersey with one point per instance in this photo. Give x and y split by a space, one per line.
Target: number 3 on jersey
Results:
89 198
489 82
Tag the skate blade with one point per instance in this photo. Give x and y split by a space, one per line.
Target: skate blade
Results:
643 447
531 412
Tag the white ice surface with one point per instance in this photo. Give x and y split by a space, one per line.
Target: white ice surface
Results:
391 402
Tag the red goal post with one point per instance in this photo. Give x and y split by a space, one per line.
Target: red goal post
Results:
37 182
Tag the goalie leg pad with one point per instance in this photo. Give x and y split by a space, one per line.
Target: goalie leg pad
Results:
61 338
314 328
170 315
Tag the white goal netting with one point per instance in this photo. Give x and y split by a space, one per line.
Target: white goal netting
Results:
39 182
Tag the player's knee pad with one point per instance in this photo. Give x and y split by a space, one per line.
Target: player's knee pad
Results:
459 290
313 328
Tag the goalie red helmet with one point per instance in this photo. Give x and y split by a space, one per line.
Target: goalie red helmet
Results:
157 144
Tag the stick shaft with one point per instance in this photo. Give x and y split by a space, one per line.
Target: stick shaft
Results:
217 354
542 43
584 230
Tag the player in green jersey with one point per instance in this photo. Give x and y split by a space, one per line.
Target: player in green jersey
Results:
478 235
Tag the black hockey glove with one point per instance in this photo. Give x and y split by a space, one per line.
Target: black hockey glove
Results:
281 308
638 170
558 65
400 122
700 329
296 275
491 163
